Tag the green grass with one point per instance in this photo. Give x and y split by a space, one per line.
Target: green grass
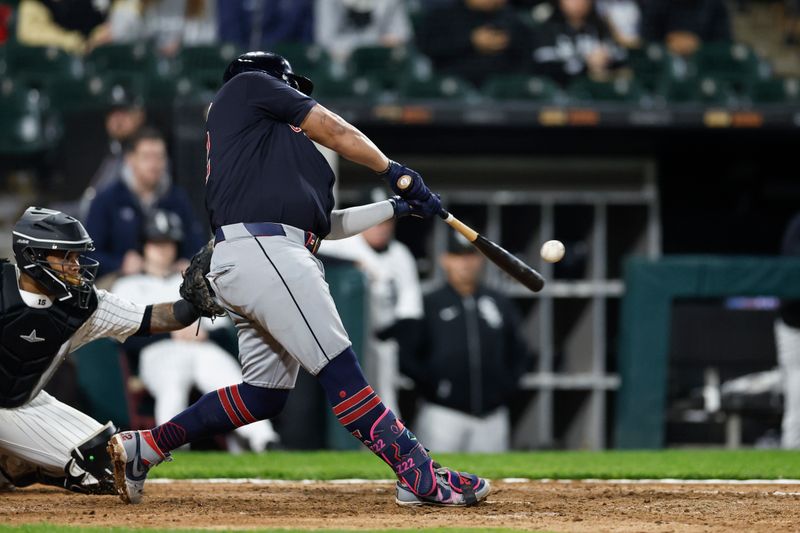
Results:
680 464
50 528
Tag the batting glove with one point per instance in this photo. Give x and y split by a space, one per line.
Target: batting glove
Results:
414 208
417 190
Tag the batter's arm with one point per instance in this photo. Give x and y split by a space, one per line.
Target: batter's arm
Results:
332 131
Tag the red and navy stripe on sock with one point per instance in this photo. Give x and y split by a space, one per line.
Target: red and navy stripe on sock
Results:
356 406
234 406
220 411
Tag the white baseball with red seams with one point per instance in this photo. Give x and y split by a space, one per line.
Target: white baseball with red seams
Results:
552 251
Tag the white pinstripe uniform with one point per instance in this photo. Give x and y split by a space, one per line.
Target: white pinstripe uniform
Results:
43 431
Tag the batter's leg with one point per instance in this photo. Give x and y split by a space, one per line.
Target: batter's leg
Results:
213 368
360 410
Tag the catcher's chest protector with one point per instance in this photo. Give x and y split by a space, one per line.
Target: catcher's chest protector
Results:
30 338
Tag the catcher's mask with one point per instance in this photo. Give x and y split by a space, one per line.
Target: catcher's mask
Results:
273 64
40 233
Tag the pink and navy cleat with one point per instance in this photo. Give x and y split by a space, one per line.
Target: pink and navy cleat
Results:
456 489
133 453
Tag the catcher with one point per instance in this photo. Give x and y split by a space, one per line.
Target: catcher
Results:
50 308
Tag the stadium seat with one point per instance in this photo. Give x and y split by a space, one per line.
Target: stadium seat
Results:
35 66
385 65
436 88
305 58
705 90
618 90
651 64
360 87
209 58
77 95
775 91
735 63
24 129
163 92
136 58
521 87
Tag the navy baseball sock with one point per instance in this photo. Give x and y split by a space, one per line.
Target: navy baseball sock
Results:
361 412
220 411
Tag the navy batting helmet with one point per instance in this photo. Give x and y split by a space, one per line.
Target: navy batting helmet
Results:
43 232
273 64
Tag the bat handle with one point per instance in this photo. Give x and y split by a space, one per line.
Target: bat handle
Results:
404 182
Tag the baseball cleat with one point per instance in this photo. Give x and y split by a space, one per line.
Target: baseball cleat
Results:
133 453
453 489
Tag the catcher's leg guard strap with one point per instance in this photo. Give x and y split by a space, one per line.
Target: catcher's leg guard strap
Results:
91 454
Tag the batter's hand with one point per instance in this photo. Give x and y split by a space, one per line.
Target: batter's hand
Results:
414 208
416 191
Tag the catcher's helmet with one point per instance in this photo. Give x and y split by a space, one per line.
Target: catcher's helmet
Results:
41 232
273 64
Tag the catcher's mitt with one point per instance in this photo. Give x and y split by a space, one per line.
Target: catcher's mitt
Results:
195 288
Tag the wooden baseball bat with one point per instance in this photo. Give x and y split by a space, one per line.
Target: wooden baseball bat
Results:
498 255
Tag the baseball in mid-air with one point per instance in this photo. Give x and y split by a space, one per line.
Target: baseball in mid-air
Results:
552 251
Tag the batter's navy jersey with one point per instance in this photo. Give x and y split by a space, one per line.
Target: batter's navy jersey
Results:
261 166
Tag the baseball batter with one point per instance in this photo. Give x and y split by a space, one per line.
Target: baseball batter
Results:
269 198
49 309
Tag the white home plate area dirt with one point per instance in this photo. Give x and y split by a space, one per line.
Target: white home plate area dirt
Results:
534 505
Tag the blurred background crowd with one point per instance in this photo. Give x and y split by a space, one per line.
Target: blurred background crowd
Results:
101 116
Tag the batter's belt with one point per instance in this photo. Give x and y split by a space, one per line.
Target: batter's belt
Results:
267 229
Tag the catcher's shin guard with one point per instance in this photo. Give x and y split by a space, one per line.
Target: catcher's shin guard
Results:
91 455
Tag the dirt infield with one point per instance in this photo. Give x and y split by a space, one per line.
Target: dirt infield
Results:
540 506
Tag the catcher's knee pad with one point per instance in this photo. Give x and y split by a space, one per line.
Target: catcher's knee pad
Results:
261 402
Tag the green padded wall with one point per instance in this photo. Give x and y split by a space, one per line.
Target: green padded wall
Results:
650 287
100 379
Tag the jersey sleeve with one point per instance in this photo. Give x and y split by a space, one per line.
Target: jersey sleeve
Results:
277 99
114 317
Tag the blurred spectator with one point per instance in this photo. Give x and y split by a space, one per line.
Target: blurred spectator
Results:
117 213
340 26
261 24
791 21
466 359
787 342
685 24
6 12
395 298
575 41
474 39
171 367
77 26
125 116
624 19
170 24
